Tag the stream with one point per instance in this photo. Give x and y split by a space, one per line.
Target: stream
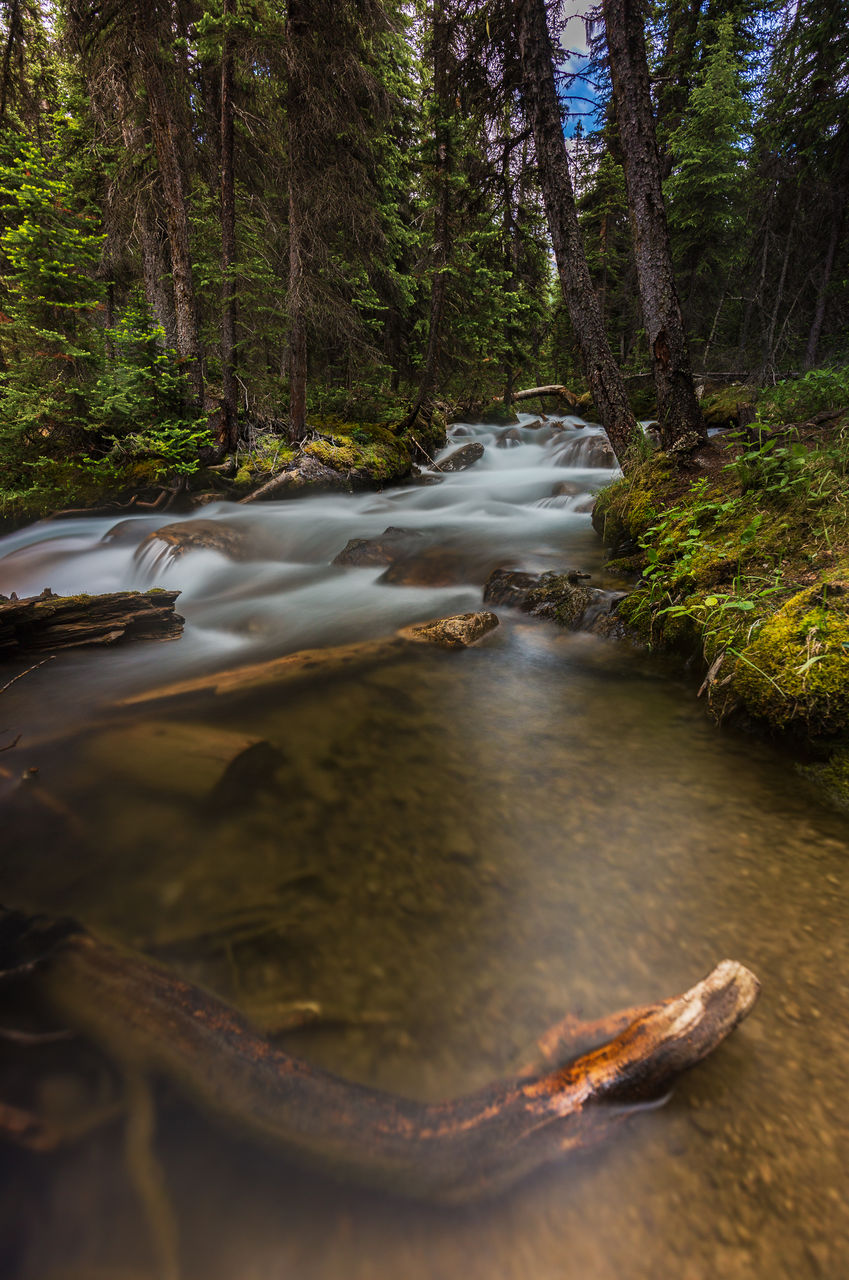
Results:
445 852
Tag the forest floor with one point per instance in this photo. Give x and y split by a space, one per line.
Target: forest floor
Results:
743 556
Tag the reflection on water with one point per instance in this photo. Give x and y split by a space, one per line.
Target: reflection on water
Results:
445 853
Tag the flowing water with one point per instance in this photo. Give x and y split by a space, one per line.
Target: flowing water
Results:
445 852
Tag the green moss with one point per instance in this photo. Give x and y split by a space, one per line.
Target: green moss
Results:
833 776
627 509
721 405
366 451
270 453
794 670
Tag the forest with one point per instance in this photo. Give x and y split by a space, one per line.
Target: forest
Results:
224 225
424 557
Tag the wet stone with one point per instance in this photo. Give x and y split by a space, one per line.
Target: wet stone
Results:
510 439
392 545
456 632
435 567
461 458
177 540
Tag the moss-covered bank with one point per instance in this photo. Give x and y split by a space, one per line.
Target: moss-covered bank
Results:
743 557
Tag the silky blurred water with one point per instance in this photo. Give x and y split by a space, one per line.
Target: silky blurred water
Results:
446 852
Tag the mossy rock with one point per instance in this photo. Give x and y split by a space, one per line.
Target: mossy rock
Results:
271 453
560 598
794 672
366 453
721 406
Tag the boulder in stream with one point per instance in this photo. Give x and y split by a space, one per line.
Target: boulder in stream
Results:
594 452
461 458
431 567
393 544
509 439
563 597
178 539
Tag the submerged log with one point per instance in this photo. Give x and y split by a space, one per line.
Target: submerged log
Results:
450 1152
455 632
46 623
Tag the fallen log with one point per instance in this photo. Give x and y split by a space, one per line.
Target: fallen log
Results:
148 1019
455 632
562 393
48 622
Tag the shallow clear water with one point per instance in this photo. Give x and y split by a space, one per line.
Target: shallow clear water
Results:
448 852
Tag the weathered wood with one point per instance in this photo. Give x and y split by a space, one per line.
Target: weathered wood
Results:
455 632
470 1147
49 622
562 393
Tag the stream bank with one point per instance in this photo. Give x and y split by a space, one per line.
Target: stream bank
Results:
742 552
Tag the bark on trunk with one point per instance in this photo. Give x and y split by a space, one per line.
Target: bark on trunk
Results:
838 215
297 27
543 110
177 220
678 409
442 213
229 404
768 366
450 1152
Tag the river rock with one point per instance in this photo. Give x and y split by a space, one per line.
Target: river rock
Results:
510 439
567 489
461 458
594 452
197 535
456 632
434 567
563 597
513 588
393 544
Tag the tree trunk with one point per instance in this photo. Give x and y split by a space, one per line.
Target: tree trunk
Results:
297 27
677 407
768 366
13 20
584 1078
229 406
837 217
543 111
442 214
177 220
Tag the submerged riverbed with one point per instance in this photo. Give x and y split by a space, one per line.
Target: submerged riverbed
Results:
445 853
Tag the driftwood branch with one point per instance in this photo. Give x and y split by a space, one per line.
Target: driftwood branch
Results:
447 1152
50 622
